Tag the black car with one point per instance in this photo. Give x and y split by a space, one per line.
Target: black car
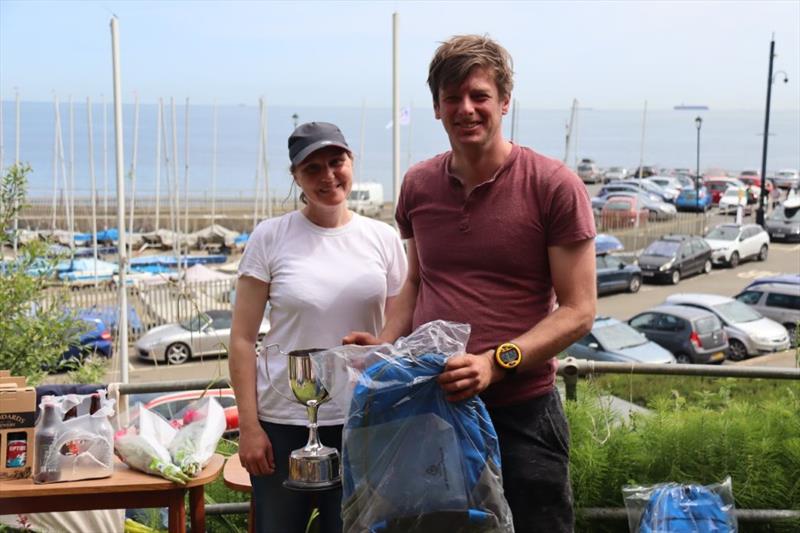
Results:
692 335
613 275
673 257
645 172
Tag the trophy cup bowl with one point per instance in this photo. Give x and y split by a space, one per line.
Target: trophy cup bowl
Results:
314 467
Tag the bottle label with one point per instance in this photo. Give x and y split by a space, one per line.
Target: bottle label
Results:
16 453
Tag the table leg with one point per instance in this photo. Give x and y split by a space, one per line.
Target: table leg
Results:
177 512
251 516
197 508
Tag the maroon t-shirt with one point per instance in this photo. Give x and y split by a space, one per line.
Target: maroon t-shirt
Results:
483 259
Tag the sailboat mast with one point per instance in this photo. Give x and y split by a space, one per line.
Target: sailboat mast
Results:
214 168
186 182
265 168
132 171
93 185
158 168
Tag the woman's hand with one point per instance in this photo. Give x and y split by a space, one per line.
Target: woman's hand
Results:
361 338
255 452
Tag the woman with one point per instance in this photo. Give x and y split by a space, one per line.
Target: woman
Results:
325 271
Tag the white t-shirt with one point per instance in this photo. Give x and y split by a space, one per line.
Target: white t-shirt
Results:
324 283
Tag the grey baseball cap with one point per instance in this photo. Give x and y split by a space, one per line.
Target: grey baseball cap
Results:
310 137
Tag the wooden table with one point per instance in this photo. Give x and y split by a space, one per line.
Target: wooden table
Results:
237 478
126 489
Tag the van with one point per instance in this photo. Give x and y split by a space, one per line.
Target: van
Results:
589 172
778 301
366 198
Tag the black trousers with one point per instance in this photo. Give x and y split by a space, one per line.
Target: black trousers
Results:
534 450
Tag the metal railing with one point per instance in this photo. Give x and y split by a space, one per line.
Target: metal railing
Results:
570 369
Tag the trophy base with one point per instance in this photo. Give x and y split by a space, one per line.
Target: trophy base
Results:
312 487
314 469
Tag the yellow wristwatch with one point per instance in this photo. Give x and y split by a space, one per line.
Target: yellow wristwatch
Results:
508 356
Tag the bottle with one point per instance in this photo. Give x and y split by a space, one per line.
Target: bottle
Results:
17 450
95 406
46 467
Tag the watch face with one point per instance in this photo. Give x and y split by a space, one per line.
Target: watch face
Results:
509 355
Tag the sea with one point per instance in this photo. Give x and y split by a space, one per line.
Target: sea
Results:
228 166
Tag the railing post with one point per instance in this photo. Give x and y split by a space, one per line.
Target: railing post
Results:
570 373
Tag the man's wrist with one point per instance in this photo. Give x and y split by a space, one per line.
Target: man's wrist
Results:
497 372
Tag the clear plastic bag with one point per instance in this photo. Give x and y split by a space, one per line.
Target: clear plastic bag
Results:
74 438
412 461
203 425
678 508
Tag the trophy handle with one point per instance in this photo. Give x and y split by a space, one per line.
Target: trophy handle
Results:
265 353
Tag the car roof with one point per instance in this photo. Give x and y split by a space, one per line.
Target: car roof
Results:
674 237
697 298
603 321
218 313
782 288
784 279
689 313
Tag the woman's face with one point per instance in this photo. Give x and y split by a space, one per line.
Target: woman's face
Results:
325 176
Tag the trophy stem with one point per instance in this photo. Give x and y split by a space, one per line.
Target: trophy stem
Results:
313 435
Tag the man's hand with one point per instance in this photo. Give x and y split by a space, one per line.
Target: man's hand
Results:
361 338
255 452
467 375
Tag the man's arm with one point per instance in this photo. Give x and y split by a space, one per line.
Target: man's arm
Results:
572 270
399 312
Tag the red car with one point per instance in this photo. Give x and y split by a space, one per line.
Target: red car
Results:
171 404
755 181
623 212
718 186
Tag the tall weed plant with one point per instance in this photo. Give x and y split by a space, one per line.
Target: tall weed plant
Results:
755 441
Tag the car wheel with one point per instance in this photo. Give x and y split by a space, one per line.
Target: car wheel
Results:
676 277
683 359
177 353
762 254
634 284
707 266
733 262
259 344
738 351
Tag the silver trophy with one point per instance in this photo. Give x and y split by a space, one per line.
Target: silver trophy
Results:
314 466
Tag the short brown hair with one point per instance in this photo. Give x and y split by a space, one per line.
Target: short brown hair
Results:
456 57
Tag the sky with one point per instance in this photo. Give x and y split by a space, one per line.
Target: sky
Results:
608 55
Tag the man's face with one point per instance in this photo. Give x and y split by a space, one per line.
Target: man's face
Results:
472 112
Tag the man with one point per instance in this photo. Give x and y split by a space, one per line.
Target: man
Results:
496 234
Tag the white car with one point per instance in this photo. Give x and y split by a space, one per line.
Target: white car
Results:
730 243
615 174
668 183
788 178
732 199
749 332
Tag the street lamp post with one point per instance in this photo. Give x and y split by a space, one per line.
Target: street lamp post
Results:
698 122
762 197
295 117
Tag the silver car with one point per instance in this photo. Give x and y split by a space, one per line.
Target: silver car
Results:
749 333
207 333
778 301
787 179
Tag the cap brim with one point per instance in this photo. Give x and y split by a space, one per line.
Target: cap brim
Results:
308 150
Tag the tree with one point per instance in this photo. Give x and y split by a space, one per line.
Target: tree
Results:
34 331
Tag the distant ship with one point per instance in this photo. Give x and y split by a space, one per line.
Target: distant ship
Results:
684 107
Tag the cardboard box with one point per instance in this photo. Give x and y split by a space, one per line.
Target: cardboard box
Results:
17 417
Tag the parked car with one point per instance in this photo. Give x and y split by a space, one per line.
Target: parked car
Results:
749 333
668 183
656 207
673 257
718 186
753 179
589 172
623 212
692 335
172 405
612 340
787 179
614 274
206 333
615 174
778 301
690 199
652 188
731 243
789 279
645 171
95 339
732 199
783 224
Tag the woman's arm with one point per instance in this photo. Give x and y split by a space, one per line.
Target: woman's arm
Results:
255 449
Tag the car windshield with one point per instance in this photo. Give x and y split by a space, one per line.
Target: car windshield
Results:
736 312
707 325
618 206
785 174
615 169
662 248
732 192
783 214
723 233
619 337
584 167
358 195
196 323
